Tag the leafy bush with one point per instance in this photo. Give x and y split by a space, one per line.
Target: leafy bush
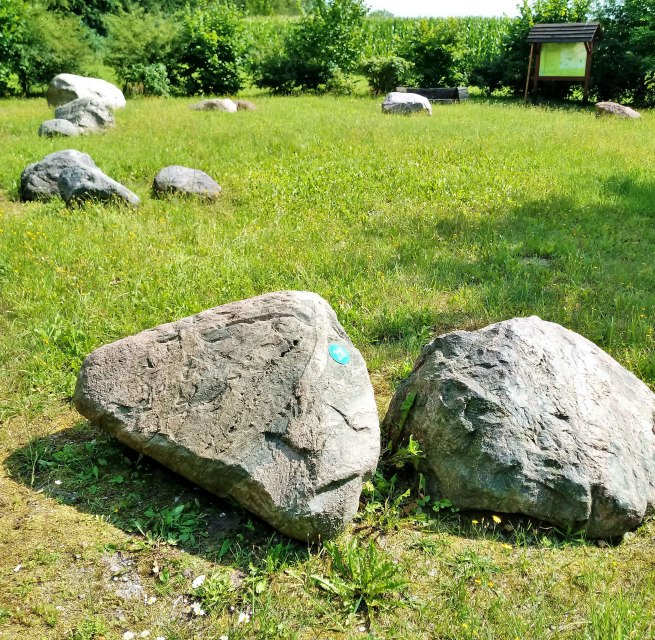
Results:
340 83
437 51
270 7
208 52
385 74
11 27
138 45
624 61
276 73
91 12
147 79
36 45
318 47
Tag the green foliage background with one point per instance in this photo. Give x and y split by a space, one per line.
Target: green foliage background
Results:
219 46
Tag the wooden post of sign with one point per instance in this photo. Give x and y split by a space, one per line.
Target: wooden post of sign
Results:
589 46
527 79
535 81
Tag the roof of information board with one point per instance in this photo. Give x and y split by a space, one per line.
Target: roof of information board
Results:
569 32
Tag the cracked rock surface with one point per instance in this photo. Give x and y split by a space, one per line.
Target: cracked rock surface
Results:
186 181
247 401
40 180
87 114
80 184
525 416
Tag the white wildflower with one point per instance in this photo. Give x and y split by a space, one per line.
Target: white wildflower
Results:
198 582
244 617
151 600
144 634
224 637
129 635
57 481
197 609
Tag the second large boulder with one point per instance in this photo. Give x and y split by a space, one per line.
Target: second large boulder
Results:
525 416
86 113
266 401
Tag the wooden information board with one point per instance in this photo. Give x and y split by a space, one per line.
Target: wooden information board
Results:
562 52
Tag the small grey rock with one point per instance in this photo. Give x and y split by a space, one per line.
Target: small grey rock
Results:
87 114
218 104
58 127
80 184
406 104
525 416
616 109
66 87
266 401
39 181
183 180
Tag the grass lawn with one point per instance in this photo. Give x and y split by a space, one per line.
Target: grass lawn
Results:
409 227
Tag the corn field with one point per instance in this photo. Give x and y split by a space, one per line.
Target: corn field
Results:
481 38
477 40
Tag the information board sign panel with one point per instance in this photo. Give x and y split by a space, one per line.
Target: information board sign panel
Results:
563 60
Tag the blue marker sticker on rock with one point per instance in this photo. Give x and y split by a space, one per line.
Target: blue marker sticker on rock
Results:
339 354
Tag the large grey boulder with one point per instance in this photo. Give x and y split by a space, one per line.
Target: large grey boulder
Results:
616 109
40 180
67 87
87 114
80 184
58 128
217 104
527 417
183 180
266 401
406 103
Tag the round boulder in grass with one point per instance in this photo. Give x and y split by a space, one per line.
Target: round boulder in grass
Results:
406 104
67 87
81 184
616 109
265 401
525 416
87 114
58 128
40 181
185 181
217 104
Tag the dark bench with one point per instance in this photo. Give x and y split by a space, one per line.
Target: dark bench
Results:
439 94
